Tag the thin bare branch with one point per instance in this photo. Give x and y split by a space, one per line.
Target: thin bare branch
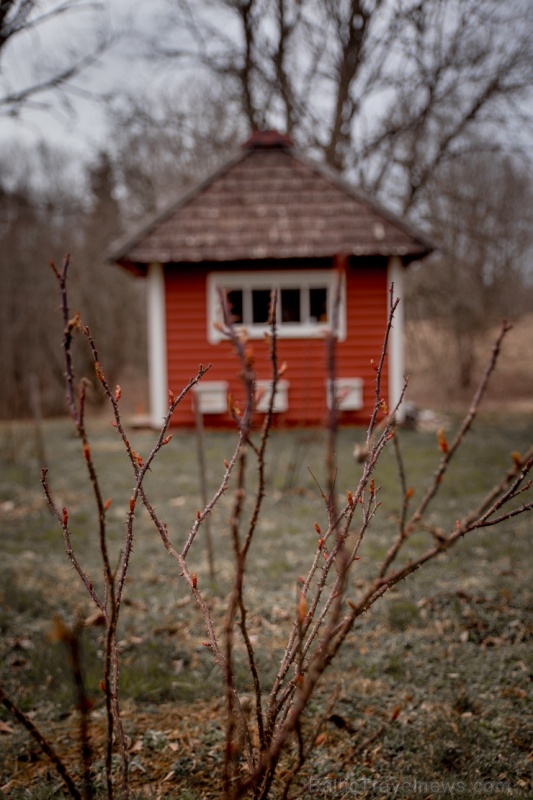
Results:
43 743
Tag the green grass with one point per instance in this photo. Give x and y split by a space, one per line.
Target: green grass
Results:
450 644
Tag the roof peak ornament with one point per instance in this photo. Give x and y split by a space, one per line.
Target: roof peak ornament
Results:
269 138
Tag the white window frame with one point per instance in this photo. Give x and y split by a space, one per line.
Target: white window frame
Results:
289 279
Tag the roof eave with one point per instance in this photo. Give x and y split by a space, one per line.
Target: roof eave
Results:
139 268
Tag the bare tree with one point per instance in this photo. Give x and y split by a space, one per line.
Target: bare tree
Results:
162 145
116 312
385 91
34 220
480 209
38 217
29 69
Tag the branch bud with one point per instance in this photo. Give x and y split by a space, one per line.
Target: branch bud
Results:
59 631
396 712
97 619
443 443
74 323
302 609
249 354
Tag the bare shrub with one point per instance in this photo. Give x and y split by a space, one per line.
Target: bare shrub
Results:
265 738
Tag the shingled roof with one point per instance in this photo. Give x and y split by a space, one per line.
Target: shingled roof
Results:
269 202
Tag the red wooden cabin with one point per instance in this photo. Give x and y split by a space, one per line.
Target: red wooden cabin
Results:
271 219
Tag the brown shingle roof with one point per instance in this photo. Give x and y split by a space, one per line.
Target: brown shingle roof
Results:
270 202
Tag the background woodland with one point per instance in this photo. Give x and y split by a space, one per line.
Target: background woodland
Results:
424 105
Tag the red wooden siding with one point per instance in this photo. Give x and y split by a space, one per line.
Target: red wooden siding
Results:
187 347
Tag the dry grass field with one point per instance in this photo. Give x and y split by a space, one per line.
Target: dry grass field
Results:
430 365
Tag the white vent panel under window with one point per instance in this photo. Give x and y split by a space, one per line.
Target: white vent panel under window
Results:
264 393
348 394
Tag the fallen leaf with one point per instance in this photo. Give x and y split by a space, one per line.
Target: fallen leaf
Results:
5 728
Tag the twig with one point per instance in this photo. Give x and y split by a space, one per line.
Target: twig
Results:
365 744
43 743
110 607
451 449
71 638
203 482
331 365
378 403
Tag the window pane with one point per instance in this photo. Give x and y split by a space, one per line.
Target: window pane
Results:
260 305
234 299
290 305
318 304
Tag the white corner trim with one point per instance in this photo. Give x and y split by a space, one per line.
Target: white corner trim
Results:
157 345
395 275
